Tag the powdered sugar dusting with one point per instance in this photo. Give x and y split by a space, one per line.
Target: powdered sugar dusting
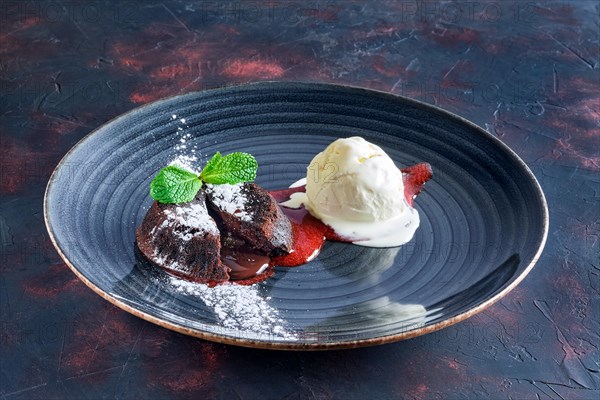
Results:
186 162
230 199
161 259
185 144
182 133
238 307
193 217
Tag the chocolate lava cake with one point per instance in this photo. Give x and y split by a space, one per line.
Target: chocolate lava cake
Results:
248 212
183 239
187 239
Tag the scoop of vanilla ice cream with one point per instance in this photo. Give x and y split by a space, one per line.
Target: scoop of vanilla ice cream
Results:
354 180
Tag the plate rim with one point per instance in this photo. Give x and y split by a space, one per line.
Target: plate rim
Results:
285 345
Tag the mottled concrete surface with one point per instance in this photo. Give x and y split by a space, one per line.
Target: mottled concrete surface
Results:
527 72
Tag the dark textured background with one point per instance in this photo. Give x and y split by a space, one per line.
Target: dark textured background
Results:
527 72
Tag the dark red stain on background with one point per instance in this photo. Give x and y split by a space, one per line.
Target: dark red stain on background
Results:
196 62
453 35
197 370
49 284
22 166
101 336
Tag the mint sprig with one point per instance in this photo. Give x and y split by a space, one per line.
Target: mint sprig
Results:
233 168
174 185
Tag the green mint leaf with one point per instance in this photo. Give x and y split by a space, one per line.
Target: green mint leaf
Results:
212 165
233 168
174 185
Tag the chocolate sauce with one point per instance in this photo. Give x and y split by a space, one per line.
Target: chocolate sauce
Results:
243 263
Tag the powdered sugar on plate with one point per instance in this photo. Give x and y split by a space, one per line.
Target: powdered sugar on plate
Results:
187 162
183 135
237 307
186 147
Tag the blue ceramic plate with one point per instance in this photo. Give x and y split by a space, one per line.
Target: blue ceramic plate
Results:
484 219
